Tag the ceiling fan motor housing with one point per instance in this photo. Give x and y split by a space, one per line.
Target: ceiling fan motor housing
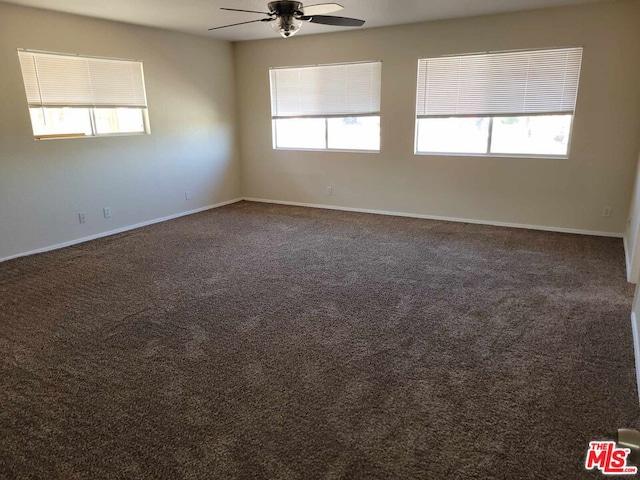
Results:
286 8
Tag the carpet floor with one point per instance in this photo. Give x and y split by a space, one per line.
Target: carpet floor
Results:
271 342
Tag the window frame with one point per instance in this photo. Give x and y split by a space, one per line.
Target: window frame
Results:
491 118
92 121
325 118
488 153
144 110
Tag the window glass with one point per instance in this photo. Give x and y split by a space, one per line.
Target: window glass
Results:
533 135
453 135
354 133
60 121
303 133
119 120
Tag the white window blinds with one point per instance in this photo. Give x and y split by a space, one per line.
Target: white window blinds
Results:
328 90
513 83
55 80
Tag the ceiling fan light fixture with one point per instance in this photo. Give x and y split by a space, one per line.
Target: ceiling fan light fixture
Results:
286 25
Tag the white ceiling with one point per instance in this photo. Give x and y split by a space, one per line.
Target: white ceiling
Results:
196 16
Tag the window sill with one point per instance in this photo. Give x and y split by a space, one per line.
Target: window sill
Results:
66 136
493 155
330 150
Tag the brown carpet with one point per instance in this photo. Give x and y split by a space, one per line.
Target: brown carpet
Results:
270 342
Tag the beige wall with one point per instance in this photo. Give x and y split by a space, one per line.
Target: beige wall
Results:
45 184
553 193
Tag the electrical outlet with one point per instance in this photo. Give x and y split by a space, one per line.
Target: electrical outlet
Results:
82 217
329 190
107 212
606 212
187 195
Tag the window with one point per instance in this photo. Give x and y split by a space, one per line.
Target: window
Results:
75 96
513 103
327 107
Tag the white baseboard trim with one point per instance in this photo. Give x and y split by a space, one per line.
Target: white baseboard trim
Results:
120 230
436 217
636 348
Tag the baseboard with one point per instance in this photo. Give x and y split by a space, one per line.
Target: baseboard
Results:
120 230
446 219
636 348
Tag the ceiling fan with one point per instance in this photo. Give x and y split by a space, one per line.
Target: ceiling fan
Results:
286 16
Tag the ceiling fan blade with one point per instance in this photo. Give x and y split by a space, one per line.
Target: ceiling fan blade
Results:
246 11
336 21
241 23
321 9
